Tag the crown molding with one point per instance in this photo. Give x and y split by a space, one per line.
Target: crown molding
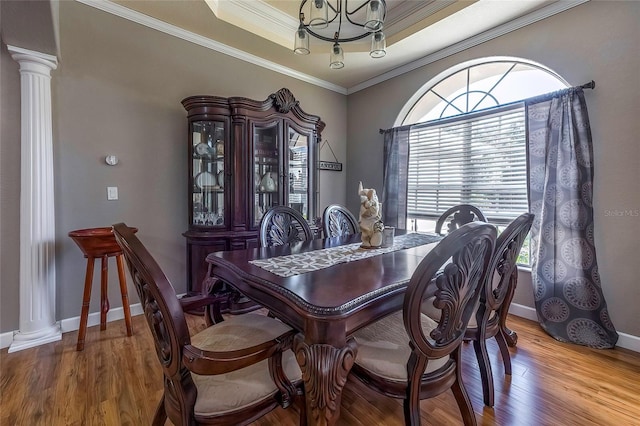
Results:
523 21
265 20
156 24
538 15
411 13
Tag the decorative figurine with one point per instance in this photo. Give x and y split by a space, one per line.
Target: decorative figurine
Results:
370 221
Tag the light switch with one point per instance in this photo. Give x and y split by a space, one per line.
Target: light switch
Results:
112 192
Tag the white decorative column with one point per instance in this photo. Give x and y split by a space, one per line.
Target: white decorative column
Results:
37 218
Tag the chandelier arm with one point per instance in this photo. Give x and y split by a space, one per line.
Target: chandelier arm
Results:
337 11
348 15
336 37
362 25
328 4
332 39
318 36
346 8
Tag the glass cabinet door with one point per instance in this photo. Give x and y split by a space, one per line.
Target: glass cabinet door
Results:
298 151
207 173
267 163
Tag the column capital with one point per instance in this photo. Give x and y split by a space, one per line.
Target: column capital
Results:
43 62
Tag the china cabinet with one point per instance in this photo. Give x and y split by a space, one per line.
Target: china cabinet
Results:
245 156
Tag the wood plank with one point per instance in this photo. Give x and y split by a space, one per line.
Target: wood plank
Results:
117 380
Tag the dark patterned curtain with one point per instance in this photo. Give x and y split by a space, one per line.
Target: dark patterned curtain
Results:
569 300
394 190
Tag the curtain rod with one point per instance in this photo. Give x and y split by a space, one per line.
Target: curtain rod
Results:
589 85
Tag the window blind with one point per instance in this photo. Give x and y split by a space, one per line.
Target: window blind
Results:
477 159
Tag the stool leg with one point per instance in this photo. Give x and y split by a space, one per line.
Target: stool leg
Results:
86 298
104 300
123 292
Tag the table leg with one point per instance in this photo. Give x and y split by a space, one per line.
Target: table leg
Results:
324 371
124 293
86 298
104 299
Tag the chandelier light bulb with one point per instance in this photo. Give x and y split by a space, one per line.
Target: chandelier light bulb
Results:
337 57
301 46
378 45
319 16
375 16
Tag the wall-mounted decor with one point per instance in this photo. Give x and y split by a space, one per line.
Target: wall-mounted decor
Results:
330 165
336 166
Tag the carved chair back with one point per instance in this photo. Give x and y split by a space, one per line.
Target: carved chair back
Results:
458 266
491 315
338 221
457 216
283 225
165 318
503 265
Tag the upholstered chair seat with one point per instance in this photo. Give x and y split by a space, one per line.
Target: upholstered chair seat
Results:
234 391
383 347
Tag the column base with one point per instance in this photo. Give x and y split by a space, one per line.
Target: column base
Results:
30 340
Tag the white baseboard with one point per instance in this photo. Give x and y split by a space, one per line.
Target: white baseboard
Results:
523 311
73 324
115 314
626 341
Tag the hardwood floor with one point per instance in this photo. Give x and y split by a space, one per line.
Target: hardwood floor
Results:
117 381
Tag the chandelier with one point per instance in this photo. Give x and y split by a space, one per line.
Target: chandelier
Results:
326 16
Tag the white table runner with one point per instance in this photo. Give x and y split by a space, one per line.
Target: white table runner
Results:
295 264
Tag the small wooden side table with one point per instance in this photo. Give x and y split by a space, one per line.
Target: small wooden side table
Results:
100 243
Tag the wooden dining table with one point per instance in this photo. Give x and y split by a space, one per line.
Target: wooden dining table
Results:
326 305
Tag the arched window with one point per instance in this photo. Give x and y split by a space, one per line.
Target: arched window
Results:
467 144
478 85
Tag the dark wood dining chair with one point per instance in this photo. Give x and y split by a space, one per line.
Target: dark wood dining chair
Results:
409 356
338 221
230 373
283 225
457 216
491 317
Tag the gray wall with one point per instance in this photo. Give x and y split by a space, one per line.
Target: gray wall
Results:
117 90
596 40
9 191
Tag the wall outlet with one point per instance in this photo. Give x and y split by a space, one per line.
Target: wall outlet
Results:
112 192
